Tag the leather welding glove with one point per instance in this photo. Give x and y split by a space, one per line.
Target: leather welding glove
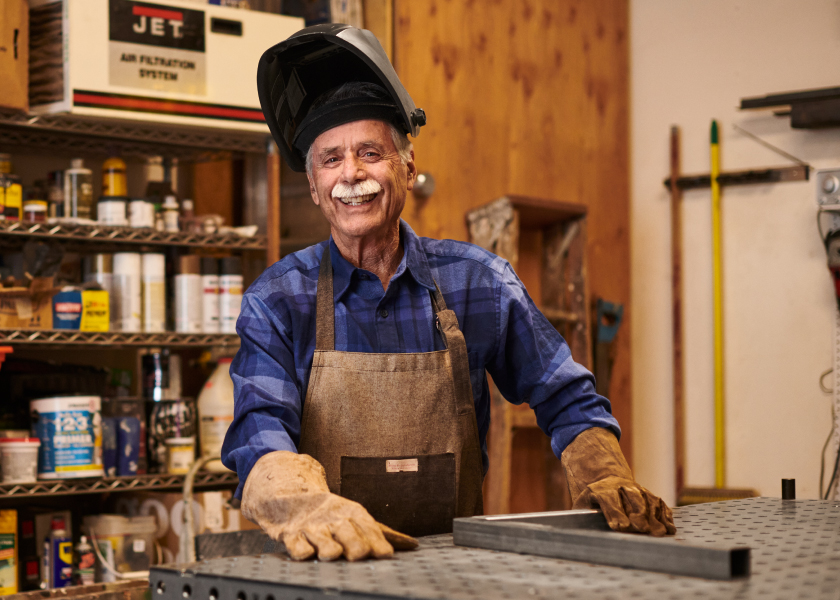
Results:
599 477
287 495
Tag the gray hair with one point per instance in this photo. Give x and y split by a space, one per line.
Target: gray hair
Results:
400 139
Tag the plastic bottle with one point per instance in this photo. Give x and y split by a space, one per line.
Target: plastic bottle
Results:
11 192
78 190
210 295
170 214
55 193
230 293
113 177
85 561
215 412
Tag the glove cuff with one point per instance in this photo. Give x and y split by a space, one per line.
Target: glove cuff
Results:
593 456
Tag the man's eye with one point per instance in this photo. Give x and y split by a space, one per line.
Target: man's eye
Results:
331 160
371 153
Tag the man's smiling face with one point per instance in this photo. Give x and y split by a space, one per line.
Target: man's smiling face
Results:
359 180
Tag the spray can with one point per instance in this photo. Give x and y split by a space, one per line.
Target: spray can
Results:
210 295
85 562
61 555
99 269
78 191
188 295
230 293
45 565
127 292
154 292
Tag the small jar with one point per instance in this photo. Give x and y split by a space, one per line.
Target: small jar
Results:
111 210
35 211
180 454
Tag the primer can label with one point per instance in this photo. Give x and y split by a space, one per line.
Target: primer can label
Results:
70 431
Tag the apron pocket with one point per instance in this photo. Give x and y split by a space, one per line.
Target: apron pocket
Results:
413 494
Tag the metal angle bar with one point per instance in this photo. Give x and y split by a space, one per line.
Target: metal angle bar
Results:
577 538
752 176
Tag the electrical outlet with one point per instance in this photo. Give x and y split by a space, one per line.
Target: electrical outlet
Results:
828 188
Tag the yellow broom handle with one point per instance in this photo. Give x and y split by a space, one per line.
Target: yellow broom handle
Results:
717 286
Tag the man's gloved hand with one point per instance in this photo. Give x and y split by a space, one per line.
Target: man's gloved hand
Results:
287 495
599 477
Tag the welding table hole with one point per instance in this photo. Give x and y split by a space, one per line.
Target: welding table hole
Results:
161 587
214 594
187 591
241 596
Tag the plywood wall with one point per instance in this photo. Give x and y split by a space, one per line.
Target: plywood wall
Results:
526 97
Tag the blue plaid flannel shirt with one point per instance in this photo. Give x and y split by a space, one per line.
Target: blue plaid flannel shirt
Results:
506 335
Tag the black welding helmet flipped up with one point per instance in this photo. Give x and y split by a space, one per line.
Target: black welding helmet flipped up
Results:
317 59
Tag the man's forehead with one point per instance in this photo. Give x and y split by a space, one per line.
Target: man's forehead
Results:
355 134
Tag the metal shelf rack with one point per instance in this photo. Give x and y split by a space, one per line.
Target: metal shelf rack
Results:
99 485
133 138
102 235
72 337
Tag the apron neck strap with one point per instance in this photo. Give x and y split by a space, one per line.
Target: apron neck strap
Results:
325 307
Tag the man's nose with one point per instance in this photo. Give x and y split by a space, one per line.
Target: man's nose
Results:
353 169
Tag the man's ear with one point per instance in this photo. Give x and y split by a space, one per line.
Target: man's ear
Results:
412 170
312 191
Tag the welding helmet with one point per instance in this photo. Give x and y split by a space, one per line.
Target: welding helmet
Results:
318 59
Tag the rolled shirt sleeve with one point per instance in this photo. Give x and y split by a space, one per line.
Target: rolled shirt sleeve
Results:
533 364
267 401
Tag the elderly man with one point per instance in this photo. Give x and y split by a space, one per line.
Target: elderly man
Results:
362 404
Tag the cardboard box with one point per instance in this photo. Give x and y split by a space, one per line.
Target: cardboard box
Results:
209 509
169 61
14 54
28 308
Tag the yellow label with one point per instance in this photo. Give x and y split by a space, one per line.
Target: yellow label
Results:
8 553
75 468
95 310
14 198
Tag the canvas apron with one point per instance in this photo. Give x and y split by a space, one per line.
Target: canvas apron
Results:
395 432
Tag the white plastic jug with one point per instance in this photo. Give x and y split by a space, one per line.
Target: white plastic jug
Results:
215 412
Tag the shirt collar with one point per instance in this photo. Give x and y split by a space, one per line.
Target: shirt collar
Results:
414 261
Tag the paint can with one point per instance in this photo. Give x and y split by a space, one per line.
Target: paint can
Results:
154 292
70 431
19 459
126 289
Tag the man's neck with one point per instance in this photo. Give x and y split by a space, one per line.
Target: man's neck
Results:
381 255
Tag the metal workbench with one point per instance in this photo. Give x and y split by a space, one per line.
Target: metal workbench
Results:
795 547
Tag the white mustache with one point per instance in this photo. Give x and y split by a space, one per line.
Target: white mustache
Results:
363 188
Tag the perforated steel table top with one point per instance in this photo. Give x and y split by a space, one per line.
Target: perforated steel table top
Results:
795 554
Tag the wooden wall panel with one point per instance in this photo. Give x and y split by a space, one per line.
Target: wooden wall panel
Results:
526 97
